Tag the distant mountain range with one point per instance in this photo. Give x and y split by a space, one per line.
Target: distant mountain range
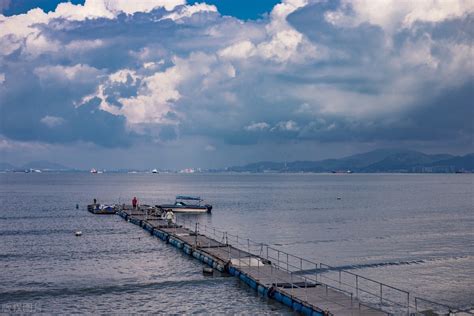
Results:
37 165
382 160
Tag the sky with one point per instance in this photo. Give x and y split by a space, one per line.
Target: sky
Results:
173 84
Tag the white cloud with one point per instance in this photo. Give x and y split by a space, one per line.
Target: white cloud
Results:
393 14
123 75
288 126
52 121
77 73
210 148
189 10
240 50
254 127
13 29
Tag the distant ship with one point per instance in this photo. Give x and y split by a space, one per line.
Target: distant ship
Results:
93 170
154 171
341 171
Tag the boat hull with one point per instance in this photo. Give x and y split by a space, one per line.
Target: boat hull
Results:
94 209
186 209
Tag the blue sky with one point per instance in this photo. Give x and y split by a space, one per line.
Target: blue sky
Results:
220 83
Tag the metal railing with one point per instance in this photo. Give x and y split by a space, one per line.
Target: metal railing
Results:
372 293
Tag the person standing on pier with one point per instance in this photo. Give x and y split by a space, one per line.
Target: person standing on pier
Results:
134 202
169 217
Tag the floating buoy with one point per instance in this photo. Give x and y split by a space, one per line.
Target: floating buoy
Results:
77 206
78 233
207 271
339 198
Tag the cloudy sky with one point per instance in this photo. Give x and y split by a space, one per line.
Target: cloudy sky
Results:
171 84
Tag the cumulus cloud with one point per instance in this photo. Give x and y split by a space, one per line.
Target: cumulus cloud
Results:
163 70
288 126
260 126
52 121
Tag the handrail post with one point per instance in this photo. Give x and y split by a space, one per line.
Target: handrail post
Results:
357 286
287 265
291 281
316 271
278 251
380 293
408 303
195 234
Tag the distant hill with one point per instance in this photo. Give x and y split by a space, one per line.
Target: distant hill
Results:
462 163
382 160
44 165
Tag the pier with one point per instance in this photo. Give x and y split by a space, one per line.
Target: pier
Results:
307 287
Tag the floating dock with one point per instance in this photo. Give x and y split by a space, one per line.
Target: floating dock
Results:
306 287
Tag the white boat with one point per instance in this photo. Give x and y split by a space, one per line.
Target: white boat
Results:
154 171
93 170
180 206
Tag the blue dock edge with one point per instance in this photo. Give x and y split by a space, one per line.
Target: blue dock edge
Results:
289 301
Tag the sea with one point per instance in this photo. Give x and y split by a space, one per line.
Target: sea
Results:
412 231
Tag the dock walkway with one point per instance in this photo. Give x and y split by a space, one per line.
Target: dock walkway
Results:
265 272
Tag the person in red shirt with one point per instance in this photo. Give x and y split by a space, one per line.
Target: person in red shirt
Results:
134 202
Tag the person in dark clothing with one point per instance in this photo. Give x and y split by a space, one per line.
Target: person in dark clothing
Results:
134 202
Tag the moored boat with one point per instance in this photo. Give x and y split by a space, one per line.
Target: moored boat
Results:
187 204
101 209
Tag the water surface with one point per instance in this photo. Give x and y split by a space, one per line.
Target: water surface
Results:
408 230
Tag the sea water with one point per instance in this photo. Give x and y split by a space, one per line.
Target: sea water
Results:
412 231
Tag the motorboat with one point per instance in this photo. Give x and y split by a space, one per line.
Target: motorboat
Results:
187 204
102 209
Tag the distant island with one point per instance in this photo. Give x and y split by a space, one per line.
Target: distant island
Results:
382 160
376 161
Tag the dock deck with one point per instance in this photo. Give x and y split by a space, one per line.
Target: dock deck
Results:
305 286
265 274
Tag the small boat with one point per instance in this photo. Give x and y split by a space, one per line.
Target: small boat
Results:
181 205
154 171
101 209
94 170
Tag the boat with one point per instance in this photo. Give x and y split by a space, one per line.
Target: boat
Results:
101 209
94 170
187 204
154 171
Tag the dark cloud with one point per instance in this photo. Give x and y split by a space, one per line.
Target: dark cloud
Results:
161 77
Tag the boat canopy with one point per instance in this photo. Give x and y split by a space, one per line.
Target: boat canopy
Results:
185 197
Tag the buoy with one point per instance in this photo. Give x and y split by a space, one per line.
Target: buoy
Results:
78 233
207 271
77 206
339 198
